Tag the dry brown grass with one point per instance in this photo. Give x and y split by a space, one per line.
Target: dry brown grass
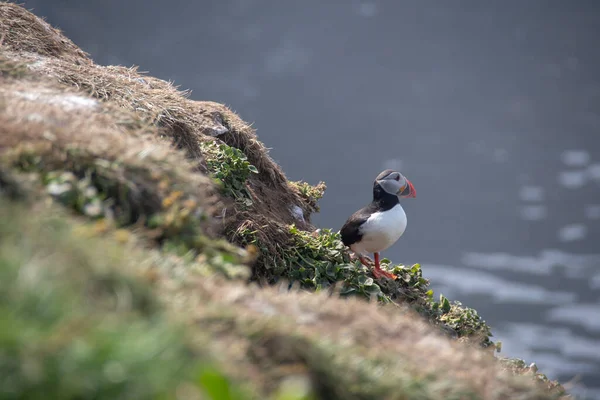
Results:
156 103
270 334
45 127
23 31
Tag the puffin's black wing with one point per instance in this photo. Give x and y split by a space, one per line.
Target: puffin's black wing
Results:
350 232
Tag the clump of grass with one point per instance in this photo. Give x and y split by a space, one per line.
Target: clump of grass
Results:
123 193
89 184
518 366
309 193
79 194
12 69
465 321
152 202
78 323
231 168
23 31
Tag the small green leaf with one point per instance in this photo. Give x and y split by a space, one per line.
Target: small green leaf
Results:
253 169
347 290
331 270
373 289
215 385
445 305
498 346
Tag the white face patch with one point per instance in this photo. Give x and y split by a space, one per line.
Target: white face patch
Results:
391 186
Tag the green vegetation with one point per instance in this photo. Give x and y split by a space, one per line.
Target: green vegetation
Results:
152 199
311 194
230 167
80 321
465 322
319 260
88 317
119 191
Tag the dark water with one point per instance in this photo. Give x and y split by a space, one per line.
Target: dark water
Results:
491 109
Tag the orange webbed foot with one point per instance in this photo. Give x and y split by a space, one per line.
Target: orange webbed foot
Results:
378 272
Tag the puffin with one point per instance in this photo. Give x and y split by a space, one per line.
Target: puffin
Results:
380 224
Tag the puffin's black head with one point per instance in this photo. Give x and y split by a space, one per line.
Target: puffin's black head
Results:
393 182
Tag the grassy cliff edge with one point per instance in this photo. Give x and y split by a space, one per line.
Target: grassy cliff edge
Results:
151 248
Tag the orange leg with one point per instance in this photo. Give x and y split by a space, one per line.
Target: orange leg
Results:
364 260
376 269
378 272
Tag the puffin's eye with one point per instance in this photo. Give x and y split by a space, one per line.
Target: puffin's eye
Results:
397 177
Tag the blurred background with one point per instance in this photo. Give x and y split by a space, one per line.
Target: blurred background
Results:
491 109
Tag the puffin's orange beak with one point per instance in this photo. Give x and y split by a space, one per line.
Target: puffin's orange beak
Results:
408 190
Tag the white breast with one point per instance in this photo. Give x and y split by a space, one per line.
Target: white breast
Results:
381 230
